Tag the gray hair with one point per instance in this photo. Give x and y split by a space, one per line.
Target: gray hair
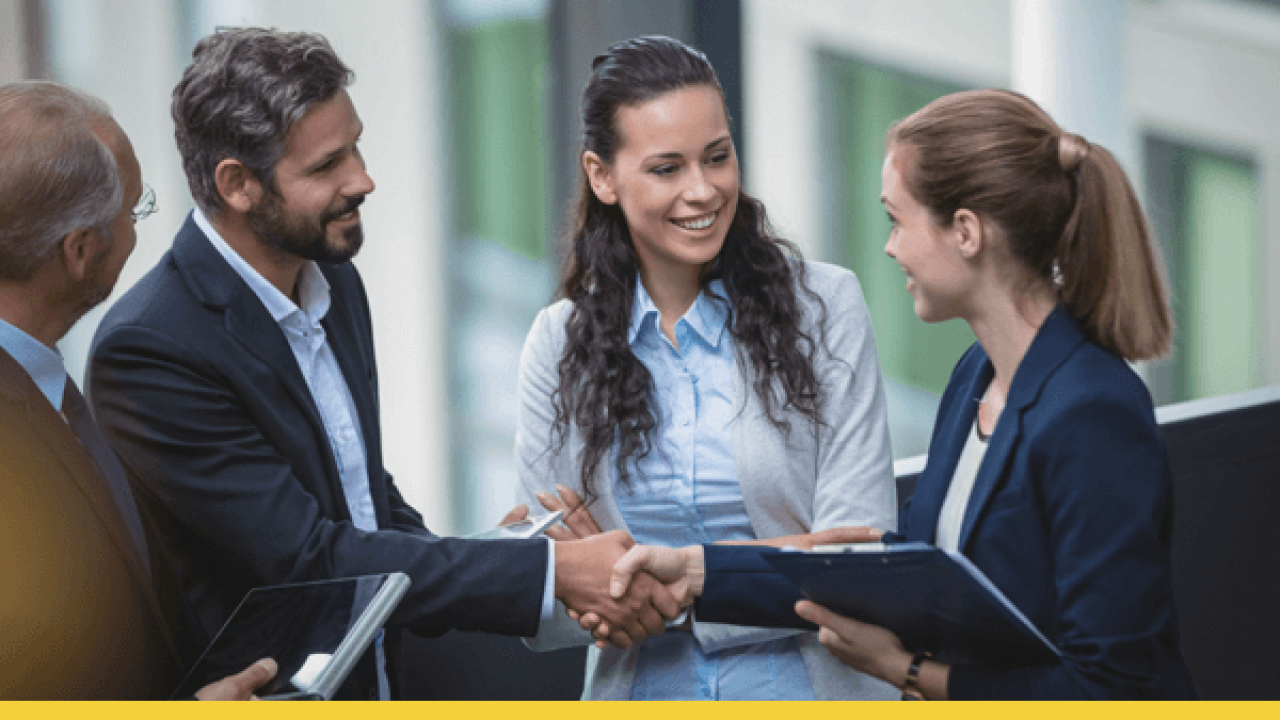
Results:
56 174
244 90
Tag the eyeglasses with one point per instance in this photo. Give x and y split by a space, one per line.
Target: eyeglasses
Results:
146 206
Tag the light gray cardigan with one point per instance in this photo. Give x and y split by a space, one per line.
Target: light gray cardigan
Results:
791 484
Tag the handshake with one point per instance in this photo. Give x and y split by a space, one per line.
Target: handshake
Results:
622 592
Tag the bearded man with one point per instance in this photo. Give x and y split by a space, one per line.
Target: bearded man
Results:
237 380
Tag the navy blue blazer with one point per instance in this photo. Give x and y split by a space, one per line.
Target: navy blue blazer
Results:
1070 517
200 394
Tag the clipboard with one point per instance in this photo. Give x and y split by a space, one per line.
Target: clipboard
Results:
315 631
934 601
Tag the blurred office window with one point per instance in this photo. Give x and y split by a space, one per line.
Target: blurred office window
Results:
862 100
1204 207
516 72
501 266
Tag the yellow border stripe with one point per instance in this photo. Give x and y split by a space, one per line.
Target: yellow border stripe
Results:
631 711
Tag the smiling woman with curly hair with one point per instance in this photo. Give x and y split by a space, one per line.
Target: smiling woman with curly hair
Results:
697 381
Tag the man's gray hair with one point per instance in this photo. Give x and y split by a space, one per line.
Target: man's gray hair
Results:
56 174
244 90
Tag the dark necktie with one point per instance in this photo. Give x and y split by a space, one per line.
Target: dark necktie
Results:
78 416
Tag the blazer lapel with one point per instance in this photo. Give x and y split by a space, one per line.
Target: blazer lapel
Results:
54 432
1056 339
217 286
249 323
944 453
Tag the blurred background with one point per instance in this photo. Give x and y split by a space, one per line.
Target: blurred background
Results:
470 110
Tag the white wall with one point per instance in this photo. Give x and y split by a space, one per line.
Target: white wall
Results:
124 51
12 41
1067 54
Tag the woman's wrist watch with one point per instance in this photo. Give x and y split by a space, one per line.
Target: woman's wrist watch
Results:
911 685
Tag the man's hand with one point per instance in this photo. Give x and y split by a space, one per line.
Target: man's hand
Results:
682 570
583 569
579 525
833 536
241 685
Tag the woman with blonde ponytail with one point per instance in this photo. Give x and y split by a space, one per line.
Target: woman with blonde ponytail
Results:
1046 468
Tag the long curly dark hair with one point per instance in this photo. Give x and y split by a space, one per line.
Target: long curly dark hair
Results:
604 389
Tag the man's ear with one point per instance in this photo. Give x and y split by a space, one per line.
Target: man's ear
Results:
600 178
972 233
238 187
78 250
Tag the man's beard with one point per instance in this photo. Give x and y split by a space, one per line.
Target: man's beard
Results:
303 236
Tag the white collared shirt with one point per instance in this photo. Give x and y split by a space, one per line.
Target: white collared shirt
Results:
306 337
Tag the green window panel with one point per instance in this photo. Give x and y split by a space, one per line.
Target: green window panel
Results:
501 272
1221 318
863 101
499 126
1205 208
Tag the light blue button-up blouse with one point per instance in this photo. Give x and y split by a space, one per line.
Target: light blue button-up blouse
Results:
686 492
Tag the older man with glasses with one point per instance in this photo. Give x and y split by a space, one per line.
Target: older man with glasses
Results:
80 617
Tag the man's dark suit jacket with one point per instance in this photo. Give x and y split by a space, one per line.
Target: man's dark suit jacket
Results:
1069 517
78 619
199 392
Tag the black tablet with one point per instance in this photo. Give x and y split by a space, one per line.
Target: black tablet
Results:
314 631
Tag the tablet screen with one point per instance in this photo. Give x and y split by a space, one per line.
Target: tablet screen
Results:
300 626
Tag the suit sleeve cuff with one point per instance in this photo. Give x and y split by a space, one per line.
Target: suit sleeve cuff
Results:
549 586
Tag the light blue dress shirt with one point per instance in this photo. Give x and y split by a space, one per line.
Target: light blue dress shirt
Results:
301 326
45 367
41 362
686 492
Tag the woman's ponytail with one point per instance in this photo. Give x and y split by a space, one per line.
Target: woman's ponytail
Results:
1109 271
1069 214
